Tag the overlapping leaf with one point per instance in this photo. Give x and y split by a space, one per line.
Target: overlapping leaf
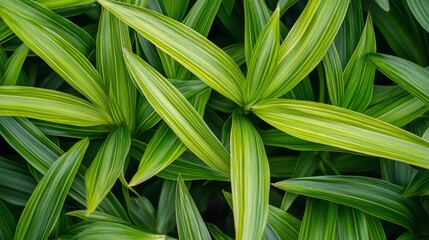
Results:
419 10
319 220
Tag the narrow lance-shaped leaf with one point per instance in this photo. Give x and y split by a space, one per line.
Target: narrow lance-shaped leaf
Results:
44 206
208 62
178 113
410 76
166 215
164 147
249 179
63 52
190 224
319 221
345 129
334 76
306 44
375 229
101 230
359 72
13 67
7 223
373 196
384 4
256 15
263 61
419 9
50 105
112 36
106 167
54 4
217 233
351 223
285 225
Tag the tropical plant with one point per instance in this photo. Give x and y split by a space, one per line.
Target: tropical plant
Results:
253 119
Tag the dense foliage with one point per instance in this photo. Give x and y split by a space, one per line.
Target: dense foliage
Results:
214 119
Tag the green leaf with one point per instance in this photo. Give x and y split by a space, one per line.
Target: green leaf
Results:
110 230
174 9
375 229
256 15
306 44
7 223
204 59
285 225
190 224
419 10
106 167
334 78
250 179
166 215
345 129
54 4
285 5
95 216
408 75
13 67
351 224
49 105
217 233
418 186
112 36
359 72
320 220
58 43
384 4
44 206
142 213
373 196
263 61
178 113
16 183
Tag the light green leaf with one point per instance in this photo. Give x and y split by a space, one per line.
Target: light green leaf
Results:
55 4
106 167
384 4
7 223
256 15
373 196
13 67
16 183
166 214
319 221
359 72
285 5
419 9
306 44
174 9
164 147
190 224
110 230
49 105
334 76
345 129
95 216
178 113
250 179
408 75
351 224
263 61
112 36
58 43
196 53
44 206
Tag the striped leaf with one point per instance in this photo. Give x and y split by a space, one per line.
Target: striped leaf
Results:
306 44
190 224
7 223
178 113
263 61
166 215
11 74
334 76
250 178
319 221
49 105
109 230
351 223
54 4
373 196
217 233
359 72
419 9
106 167
408 75
375 229
58 43
345 129
95 216
112 36
164 147
384 4
208 62
285 225
44 206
